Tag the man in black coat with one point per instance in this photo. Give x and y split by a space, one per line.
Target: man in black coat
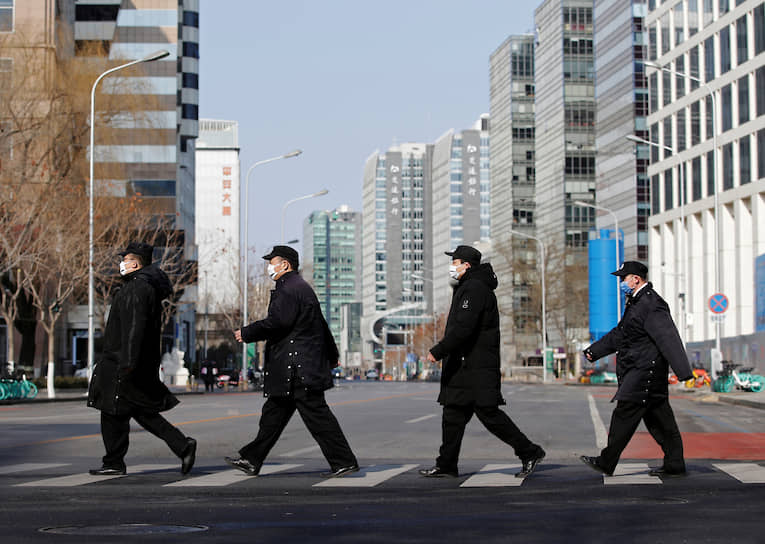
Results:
470 379
646 343
300 355
125 382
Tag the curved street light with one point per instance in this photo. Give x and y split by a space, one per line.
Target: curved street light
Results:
284 208
157 55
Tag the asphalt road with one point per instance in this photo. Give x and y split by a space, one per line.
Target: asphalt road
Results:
394 428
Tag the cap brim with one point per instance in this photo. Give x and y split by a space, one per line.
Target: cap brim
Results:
449 253
620 273
269 256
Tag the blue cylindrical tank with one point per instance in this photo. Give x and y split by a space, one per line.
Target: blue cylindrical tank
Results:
603 286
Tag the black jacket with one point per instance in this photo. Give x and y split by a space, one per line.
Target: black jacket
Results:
470 346
126 375
646 343
299 343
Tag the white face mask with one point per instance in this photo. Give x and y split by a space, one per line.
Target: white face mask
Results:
272 272
453 273
123 268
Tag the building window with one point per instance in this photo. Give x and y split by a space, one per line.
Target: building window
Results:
667 190
696 178
655 140
693 17
653 89
709 59
727 156
759 29
664 25
744 160
94 12
724 49
191 18
667 136
760 84
741 41
743 100
666 91
191 49
190 80
710 173
680 79
6 15
680 130
695 124
709 117
655 206
190 111
727 108
761 153
679 23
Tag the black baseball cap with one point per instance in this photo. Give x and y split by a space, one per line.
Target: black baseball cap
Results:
465 253
286 253
141 249
632 267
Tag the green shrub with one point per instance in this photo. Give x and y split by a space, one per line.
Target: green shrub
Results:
62 382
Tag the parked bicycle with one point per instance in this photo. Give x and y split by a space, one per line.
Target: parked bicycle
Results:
17 389
744 380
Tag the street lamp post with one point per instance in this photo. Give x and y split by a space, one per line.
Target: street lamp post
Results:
91 326
284 208
718 219
423 278
245 274
683 196
541 247
583 204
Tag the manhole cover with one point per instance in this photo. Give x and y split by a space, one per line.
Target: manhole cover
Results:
123 529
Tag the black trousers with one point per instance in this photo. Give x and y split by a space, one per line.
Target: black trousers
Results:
319 420
115 431
660 422
456 417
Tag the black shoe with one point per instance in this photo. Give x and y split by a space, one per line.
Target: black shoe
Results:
243 464
108 471
342 471
530 464
438 472
189 456
661 471
592 462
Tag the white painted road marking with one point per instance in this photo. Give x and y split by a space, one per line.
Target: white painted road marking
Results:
74 480
423 418
367 476
746 473
228 477
28 467
601 436
495 476
631 473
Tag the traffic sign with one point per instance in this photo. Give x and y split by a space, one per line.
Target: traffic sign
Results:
718 303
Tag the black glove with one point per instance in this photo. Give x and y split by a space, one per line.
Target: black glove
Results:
588 354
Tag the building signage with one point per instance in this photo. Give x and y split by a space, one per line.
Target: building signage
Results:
226 204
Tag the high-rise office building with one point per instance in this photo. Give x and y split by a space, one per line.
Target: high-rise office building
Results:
461 194
216 223
332 261
707 170
565 161
396 232
513 175
621 93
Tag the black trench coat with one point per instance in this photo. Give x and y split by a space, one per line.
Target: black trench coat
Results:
299 344
646 343
470 346
126 375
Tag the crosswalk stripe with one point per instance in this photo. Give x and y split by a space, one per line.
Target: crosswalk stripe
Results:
631 473
495 475
228 477
746 473
421 418
29 467
74 480
367 477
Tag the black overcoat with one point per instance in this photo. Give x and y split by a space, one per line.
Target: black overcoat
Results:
299 344
126 374
646 343
470 346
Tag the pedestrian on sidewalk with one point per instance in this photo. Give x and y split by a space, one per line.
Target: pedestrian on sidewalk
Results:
470 379
300 355
209 374
125 382
646 343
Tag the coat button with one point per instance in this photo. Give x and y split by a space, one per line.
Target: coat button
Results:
292 341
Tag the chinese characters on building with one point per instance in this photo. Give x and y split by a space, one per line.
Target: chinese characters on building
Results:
226 190
394 189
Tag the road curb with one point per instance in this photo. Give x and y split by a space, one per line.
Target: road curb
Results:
39 399
742 402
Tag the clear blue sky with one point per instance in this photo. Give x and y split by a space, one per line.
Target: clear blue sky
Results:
341 79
